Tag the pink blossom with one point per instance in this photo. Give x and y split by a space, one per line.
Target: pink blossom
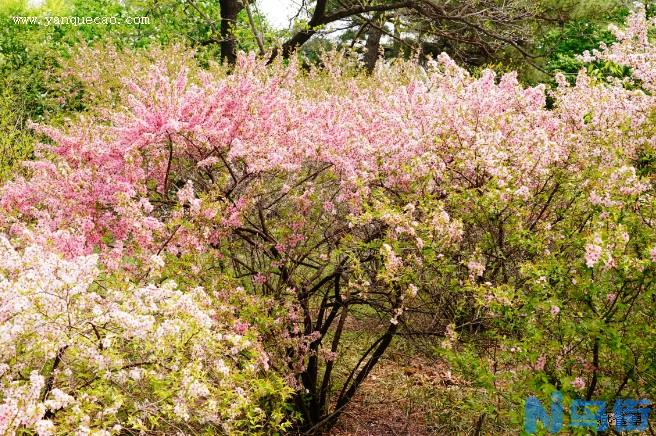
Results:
328 206
241 327
578 383
476 268
592 254
186 194
260 279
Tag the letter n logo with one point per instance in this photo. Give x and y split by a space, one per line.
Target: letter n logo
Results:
534 412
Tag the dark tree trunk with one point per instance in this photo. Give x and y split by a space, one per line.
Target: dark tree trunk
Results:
372 47
229 11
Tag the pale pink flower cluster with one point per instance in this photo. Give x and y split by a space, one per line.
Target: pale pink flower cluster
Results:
593 252
632 48
186 195
392 262
444 130
22 407
115 337
476 269
578 383
596 249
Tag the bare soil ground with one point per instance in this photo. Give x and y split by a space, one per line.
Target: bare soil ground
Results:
387 404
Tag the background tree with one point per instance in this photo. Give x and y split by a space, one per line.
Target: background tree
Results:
518 33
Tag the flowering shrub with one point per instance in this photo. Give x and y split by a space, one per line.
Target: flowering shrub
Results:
287 204
84 355
633 48
563 277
